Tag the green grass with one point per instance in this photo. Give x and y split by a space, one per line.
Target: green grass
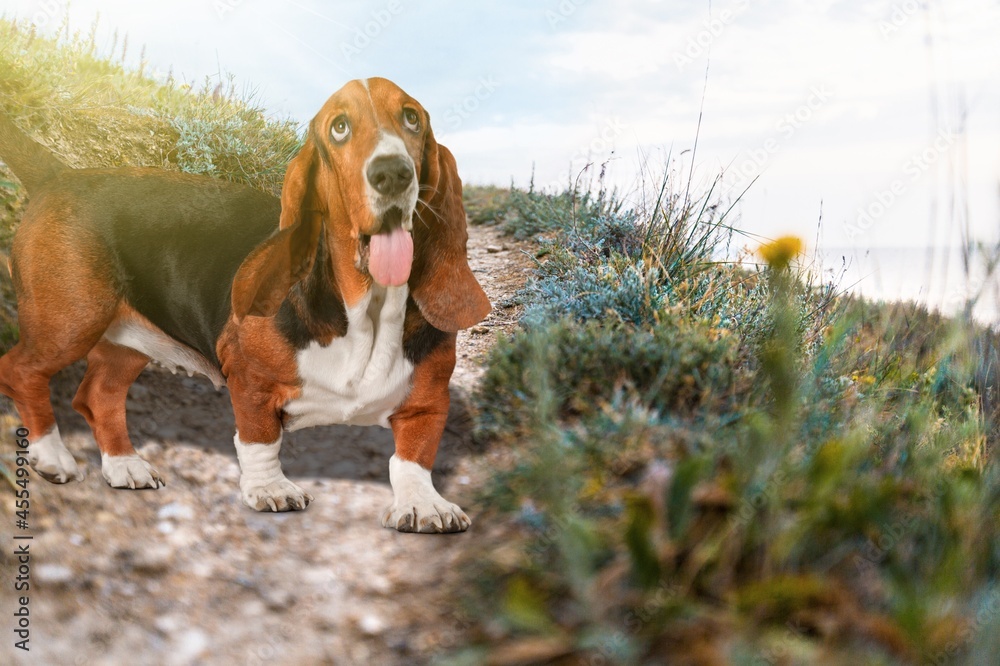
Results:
706 461
93 111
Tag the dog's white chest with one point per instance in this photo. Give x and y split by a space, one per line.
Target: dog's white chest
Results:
361 378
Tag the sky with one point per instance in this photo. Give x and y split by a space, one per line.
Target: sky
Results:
879 117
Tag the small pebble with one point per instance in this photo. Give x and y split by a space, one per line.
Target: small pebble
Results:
371 624
167 624
150 450
202 569
175 510
277 598
380 584
55 574
153 560
190 645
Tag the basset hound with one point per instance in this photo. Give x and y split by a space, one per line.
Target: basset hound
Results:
338 304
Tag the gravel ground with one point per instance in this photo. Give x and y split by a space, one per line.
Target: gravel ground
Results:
187 575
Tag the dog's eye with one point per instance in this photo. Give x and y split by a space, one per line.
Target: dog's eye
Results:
340 129
411 120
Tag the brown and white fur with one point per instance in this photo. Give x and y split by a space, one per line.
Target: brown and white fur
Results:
347 312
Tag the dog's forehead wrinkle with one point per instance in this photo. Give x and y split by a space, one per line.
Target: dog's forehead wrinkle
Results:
368 91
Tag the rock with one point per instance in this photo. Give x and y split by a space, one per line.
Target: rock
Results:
253 608
328 615
493 249
371 624
189 646
380 585
277 598
175 510
54 574
198 468
153 560
202 569
480 330
167 624
150 450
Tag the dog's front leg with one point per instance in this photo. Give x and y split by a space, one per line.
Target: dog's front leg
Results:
417 427
263 485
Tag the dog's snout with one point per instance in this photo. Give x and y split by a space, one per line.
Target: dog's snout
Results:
390 175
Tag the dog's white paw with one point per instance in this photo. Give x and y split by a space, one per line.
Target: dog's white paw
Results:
278 495
417 506
50 458
427 517
130 472
263 485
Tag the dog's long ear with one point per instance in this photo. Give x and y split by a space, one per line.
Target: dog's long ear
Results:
298 191
442 283
267 275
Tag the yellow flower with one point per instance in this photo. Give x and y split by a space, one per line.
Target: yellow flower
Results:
779 253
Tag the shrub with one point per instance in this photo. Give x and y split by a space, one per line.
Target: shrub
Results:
705 461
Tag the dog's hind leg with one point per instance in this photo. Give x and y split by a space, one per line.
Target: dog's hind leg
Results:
27 385
64 306
111 369
25 372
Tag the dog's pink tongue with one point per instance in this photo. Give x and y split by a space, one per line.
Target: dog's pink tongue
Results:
390 257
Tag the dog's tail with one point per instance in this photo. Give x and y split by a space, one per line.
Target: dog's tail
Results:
31 162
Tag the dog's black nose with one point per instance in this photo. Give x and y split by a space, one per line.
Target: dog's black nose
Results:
390 174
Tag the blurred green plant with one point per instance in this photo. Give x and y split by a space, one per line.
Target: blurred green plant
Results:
715 462
485 204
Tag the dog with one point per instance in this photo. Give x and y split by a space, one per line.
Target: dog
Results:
340 303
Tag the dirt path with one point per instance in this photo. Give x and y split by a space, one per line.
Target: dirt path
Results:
187 574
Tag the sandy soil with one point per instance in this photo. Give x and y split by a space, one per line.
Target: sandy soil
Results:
187 575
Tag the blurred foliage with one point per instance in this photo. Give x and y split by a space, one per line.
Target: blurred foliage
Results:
485 204
701 461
